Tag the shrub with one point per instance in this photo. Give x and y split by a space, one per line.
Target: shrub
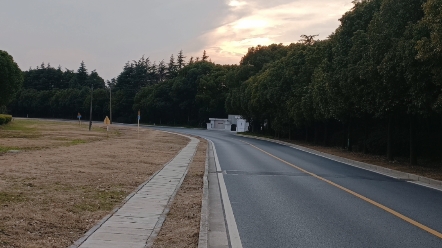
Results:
4 119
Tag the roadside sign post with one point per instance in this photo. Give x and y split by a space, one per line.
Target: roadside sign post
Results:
79 118
110 103
107 123
138 120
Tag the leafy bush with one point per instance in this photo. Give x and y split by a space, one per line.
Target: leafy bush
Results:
4 119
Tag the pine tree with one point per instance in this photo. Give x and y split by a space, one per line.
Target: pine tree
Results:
82 75
205 57
190 61
161 71
180 60
153 73
171 67
96 80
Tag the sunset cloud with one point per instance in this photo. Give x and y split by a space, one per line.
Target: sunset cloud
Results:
263 24
235 3
105 34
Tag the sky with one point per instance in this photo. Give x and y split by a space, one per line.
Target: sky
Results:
106 34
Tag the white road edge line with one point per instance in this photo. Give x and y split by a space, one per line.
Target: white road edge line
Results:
235 240
342 162
425 185
375 171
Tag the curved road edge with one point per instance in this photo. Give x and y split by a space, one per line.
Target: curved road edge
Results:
411 178
218 226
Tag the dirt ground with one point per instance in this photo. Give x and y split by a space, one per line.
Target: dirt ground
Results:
64 178
182 225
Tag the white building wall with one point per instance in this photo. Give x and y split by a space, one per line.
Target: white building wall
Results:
226 124
219 124
242 126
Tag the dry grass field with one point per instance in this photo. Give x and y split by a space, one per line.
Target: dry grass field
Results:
60 178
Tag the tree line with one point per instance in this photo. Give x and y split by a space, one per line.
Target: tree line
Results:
373 86
52 92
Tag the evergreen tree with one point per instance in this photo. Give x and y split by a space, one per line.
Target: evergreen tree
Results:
180 60
171 68
153 73
430 46
95 80
11 78
162 71
205 57
82 75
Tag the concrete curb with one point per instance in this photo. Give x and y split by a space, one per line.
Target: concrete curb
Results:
151 240
204 221
425 181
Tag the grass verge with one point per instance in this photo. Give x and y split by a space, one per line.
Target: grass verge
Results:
70 178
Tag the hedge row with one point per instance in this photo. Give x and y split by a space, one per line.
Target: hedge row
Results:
5 119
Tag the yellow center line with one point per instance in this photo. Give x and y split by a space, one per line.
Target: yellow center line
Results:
389 210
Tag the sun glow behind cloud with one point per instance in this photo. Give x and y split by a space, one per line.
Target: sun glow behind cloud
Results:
255 23
235 3
85 30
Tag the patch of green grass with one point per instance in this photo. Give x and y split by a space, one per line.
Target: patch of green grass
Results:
4 149
20 125
20 129
115 132
77 142
9 197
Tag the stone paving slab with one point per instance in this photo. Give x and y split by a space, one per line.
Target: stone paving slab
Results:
106 244
133 224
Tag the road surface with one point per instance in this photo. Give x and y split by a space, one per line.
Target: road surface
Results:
284 197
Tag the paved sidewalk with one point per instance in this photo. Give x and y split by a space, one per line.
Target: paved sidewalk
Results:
139 220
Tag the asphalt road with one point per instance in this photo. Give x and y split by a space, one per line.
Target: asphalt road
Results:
322 203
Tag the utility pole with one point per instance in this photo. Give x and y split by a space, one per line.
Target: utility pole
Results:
110 102
90 114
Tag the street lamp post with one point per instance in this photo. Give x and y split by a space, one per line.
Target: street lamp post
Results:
90 114
110 102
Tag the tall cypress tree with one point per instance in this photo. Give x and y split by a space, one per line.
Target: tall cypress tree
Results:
161 71
171 67
180 60
82 75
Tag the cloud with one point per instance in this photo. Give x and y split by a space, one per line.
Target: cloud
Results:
259 22
108 33
237 4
